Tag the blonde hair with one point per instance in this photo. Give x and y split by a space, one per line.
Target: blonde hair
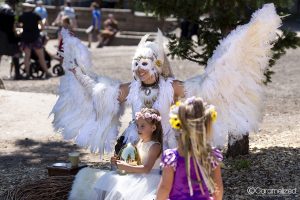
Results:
196 127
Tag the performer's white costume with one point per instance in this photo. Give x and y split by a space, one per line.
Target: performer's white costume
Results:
88 109
162 104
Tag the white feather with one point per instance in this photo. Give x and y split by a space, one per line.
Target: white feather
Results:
162 104
160 42
233 77
84 183
87 109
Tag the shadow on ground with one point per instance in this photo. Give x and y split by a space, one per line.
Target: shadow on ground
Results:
271 173
31 152
29 162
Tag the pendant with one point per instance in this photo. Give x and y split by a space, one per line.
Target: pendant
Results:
148 104
147 91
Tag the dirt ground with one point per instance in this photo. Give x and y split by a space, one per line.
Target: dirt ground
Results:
28 143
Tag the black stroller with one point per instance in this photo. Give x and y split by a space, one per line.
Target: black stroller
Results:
35 70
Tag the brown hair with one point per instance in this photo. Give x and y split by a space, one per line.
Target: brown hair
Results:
157 135
196 125
66 19
95 5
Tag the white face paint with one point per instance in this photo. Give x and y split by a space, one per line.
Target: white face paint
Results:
142 67
144 59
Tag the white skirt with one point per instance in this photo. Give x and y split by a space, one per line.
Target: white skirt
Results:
113 186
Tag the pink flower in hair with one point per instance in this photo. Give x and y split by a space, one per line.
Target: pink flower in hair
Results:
147 115
158 118
138 115
155 116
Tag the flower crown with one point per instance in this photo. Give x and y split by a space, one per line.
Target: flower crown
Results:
147 115
174 119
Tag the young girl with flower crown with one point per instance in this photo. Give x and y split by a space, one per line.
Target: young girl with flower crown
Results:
141 180
191 171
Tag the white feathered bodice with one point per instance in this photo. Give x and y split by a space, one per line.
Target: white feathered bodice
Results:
162 104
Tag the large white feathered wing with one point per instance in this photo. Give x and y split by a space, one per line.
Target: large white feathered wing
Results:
87 109
233 77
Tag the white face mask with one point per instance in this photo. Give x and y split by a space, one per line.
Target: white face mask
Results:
145 63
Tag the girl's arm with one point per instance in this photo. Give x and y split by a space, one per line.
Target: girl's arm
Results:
154 152
217 177
165 184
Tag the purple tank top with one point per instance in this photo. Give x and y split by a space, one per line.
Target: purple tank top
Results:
180 189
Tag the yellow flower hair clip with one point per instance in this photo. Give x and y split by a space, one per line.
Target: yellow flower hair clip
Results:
213 114
158 63
174 120
178 103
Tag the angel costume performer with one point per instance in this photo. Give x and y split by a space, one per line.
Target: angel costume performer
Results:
89 106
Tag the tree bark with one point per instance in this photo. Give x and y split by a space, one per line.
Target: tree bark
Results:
238 147
2 84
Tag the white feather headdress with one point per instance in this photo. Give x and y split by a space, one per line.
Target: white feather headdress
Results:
151 56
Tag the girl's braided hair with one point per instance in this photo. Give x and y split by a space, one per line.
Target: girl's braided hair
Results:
196 133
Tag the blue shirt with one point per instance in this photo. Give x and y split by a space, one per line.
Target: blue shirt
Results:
96 19
42 12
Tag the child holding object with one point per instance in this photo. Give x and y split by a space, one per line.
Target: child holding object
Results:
138 178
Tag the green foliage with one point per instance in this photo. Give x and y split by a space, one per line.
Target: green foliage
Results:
285 41
241 164
216 18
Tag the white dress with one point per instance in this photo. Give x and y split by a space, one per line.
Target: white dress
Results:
112 186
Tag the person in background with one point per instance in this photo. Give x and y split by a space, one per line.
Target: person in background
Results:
30 37
96 23
109 32
66 24
8 38
66 11
41 11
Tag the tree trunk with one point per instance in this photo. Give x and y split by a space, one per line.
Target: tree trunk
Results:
2 84
238 147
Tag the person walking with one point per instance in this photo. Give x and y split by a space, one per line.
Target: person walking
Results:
95 28
30 37
8 38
